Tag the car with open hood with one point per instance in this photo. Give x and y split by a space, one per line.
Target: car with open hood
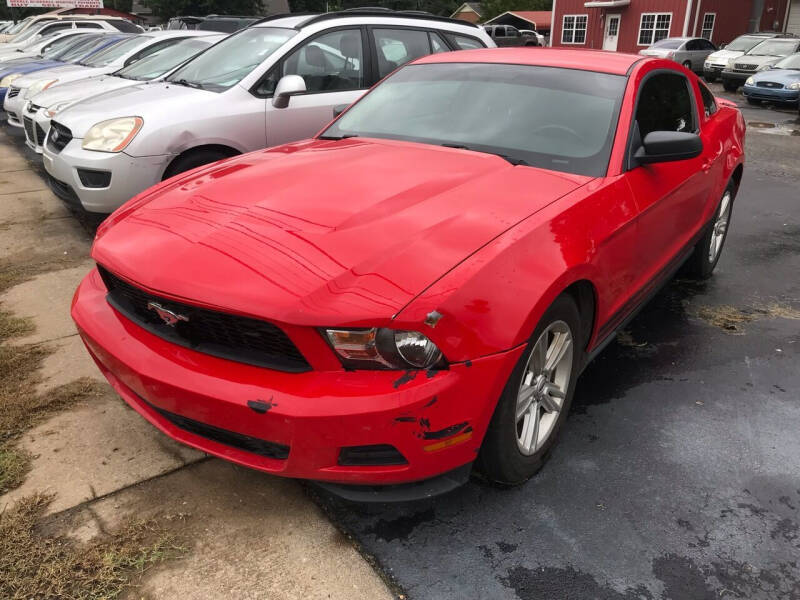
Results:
780 83
759 58
44 106
276 81
415 290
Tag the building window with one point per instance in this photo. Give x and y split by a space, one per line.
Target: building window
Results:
654 27
708 25
574 31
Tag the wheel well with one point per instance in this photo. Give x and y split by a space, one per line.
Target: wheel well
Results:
225 151
737 175
583 293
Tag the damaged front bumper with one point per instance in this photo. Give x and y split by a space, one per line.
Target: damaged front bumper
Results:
301 425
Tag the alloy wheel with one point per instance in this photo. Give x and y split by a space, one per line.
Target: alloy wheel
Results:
544 387
720 227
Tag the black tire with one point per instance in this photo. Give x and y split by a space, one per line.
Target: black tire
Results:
730 86
192 160
700 265
500 459
753 101
687 64
710 77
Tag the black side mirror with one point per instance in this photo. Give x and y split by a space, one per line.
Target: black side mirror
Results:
668 146
339 109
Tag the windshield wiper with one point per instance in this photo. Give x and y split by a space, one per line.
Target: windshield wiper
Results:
512 159
189 84
338 137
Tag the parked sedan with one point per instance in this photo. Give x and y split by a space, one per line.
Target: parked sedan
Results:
390 302
14 70
781 83
759 58
274 82
718 61
690 52
42 107
39 47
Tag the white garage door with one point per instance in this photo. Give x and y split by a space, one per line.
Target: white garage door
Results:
793 25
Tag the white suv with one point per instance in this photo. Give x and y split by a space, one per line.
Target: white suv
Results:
274 82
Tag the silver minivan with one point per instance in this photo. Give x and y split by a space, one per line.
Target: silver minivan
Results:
274 82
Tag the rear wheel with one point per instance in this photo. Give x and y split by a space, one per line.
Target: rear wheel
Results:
536 398
730 86
708 250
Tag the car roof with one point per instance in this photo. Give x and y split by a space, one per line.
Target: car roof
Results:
300 21
585 60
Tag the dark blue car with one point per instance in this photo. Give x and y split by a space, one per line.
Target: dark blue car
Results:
780 83
82 48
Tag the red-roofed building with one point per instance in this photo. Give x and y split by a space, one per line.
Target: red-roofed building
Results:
631 25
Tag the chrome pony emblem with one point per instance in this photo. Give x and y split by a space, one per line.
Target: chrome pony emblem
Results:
170 318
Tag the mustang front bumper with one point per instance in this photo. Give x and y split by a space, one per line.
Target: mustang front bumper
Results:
295 424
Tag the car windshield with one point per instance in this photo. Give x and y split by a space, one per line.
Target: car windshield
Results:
115 51
774 48
60 45
790 62
82 48
558 119
14 29
744 43
165 60
29 32
227 63
669 44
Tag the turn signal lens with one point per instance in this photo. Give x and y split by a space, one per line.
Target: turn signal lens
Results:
383 348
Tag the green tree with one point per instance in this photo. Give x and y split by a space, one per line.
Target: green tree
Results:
492 8
123 5
167 9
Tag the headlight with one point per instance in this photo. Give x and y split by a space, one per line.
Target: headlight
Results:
39 86
9 79
764 68
750 81
113 135
794 86
55 109
382 348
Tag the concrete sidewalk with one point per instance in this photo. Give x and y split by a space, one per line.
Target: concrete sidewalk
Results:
250 535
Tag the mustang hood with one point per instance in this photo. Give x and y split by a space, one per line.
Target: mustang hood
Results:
322 232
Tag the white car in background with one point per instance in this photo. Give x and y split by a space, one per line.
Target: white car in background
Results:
277 81
42 107
717 62
112 59
39 47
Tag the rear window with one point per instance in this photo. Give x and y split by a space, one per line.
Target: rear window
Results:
668 44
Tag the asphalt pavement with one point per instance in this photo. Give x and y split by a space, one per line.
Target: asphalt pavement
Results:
678 472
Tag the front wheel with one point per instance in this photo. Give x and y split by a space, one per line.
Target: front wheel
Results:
536 398
753 101
708 250
687 64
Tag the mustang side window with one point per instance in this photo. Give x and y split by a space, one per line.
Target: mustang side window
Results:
665 104
709 104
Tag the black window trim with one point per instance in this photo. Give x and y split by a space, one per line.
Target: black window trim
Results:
629 163
366 58
450 40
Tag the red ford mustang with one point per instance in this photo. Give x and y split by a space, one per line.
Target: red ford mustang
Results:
418 288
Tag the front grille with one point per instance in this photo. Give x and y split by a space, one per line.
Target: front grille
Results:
744 67
59 137
13 92
769 84
30 129
224 436
233 337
